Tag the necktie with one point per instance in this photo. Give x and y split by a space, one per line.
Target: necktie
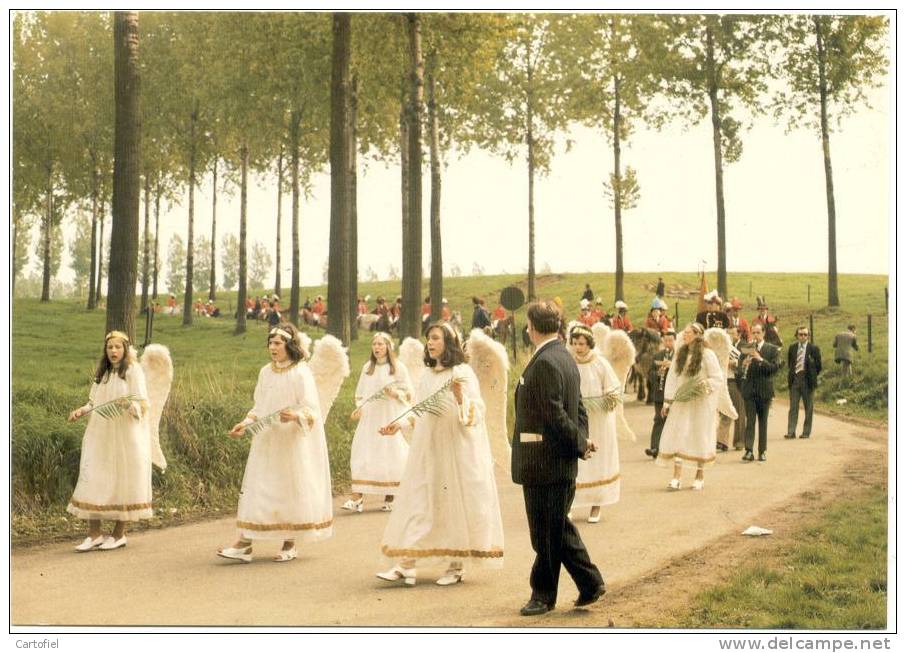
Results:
800 359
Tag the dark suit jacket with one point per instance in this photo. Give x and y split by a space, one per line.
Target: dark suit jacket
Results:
759 381
657 382
548 404
812 364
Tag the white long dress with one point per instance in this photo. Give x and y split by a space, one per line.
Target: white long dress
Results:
286 492
447 507
377 461
598 482
115 465
690 432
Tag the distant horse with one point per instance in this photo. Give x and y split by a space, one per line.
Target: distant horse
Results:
366 321
646 342
502 329
313 319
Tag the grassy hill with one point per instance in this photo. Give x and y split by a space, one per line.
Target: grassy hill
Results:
55 347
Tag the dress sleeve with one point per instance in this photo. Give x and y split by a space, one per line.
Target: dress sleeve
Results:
672 382
135 381
309 404
471 410
256 410
93 393
360 388
402 375
711 369
609 379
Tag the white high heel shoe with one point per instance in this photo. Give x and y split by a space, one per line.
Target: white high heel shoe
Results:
674 484
698 484
450 577
244 553
354 505
110 543
395 573
88 544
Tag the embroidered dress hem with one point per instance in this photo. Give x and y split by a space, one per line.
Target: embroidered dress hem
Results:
665 458
128 512
602 492
383 488
314 532
434 557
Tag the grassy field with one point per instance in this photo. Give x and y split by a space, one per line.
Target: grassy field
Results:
55 347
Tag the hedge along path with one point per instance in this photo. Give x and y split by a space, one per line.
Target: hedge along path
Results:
175 578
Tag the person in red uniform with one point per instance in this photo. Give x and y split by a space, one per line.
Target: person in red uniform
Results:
658 321
732 308
171 305
318 307
445 313
621 319
598 311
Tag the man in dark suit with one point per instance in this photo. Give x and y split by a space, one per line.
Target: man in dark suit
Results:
757 367
803 367
656 381
551 435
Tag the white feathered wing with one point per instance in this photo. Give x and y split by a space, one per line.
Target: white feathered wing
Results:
158 368
329 365
412 353
600 331
489 360
718 341
620 353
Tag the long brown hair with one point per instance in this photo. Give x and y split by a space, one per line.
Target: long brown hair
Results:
102 373
693 354
391 356
453 351
293 350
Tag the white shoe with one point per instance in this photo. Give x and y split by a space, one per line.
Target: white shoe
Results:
698 484
244 554
353 505
674 484
110 543
395 573
88 544
286 555
594 517
387 507
450 577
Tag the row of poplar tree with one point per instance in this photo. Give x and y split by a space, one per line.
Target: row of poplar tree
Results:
187 94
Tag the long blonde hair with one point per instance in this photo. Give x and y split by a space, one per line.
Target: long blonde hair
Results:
391 356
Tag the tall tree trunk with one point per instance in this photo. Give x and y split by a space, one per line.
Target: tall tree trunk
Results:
92 274
530 143
410 319
97 293
212 293
15 233
48 230
404 174
338 258
718 165
352 206
127 158
278 289
437 261
145 244
187 312
295 121
243 265
833 298
156 233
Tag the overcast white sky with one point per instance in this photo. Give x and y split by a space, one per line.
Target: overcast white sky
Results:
775 205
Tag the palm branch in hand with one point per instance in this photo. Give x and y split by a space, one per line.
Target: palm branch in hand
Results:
606 402
435 404
113 408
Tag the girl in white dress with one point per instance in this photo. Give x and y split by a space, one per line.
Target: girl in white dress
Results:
383 392
115 467
598 482
286 492
691 394
446 511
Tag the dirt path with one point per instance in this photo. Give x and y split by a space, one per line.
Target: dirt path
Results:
172 577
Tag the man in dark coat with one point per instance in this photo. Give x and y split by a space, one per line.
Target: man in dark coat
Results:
803 362
757 367
656 381
551 434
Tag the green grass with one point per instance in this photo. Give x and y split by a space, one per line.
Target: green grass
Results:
55 347
833 577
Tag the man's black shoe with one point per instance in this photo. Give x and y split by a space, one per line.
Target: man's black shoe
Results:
804 436
591 598
747 456
651 452
721 447
789 436
535 607
762 458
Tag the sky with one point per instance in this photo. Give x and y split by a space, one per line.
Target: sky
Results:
774 197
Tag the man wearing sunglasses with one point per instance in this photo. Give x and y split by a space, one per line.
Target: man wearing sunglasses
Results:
803 368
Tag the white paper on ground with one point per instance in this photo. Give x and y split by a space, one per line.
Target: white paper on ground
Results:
757 530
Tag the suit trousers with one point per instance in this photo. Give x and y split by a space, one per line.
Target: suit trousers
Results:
658 425
799 390
556 541
757 407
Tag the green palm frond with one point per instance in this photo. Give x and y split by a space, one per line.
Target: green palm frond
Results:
380 394
604 403
113 408
692 389
435 404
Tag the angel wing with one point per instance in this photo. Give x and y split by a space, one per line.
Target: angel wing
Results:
330 365
718 341
158 368
489 360
412 353
620 353
600 331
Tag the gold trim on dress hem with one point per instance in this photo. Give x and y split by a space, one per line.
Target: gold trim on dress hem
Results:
428 553
376 483
683 456
283 527
128 507
606 481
